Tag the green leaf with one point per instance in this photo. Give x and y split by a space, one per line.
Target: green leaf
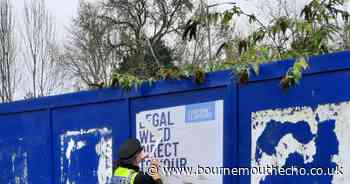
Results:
302 62
151 81
256 68
236 10
227 18
308 27
297 75
252 18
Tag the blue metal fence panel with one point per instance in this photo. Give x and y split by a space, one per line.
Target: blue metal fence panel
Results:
303 127
25 148
85 129
84 137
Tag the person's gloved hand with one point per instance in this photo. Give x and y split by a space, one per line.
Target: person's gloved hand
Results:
153 170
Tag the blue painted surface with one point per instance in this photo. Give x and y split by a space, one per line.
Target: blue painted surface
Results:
274 131
320 85
318 64
231 131
214 79
326 148
42 122
80 169
24 148
84 164
108 108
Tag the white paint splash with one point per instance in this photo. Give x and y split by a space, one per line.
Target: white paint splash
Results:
103 150
102 131
73 146
291 115
25 168
80 144
288 144
20 167
341 114
62 158
13 158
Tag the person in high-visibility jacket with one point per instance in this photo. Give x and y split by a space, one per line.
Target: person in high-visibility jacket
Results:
127 170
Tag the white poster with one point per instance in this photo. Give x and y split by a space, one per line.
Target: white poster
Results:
189 136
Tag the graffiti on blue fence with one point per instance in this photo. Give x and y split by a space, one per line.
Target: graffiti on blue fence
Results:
303 137
97 143
13 162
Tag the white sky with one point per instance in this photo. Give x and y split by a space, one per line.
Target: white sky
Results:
62 10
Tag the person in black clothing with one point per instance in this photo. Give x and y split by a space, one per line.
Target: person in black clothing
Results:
127 166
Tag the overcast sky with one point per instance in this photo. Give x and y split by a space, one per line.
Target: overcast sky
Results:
62 10
65 10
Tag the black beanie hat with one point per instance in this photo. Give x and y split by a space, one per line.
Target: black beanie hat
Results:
129 149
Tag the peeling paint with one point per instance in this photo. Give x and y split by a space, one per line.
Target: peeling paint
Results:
73 141
306 147
13 158
19 162
80 144
104 151
341 114
25 168
102 131
73 146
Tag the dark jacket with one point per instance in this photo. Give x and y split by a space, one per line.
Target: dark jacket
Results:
141 177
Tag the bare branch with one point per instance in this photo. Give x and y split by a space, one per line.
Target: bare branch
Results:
8 73
40 50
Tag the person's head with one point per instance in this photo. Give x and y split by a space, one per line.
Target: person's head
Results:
131 152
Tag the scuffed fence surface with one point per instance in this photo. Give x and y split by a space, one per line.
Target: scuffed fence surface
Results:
25 149
306 126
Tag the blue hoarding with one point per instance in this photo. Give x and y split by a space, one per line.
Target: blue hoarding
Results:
74 138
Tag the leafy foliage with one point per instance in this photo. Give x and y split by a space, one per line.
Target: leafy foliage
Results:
294 74
144 66
120 39
313 33
126 81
